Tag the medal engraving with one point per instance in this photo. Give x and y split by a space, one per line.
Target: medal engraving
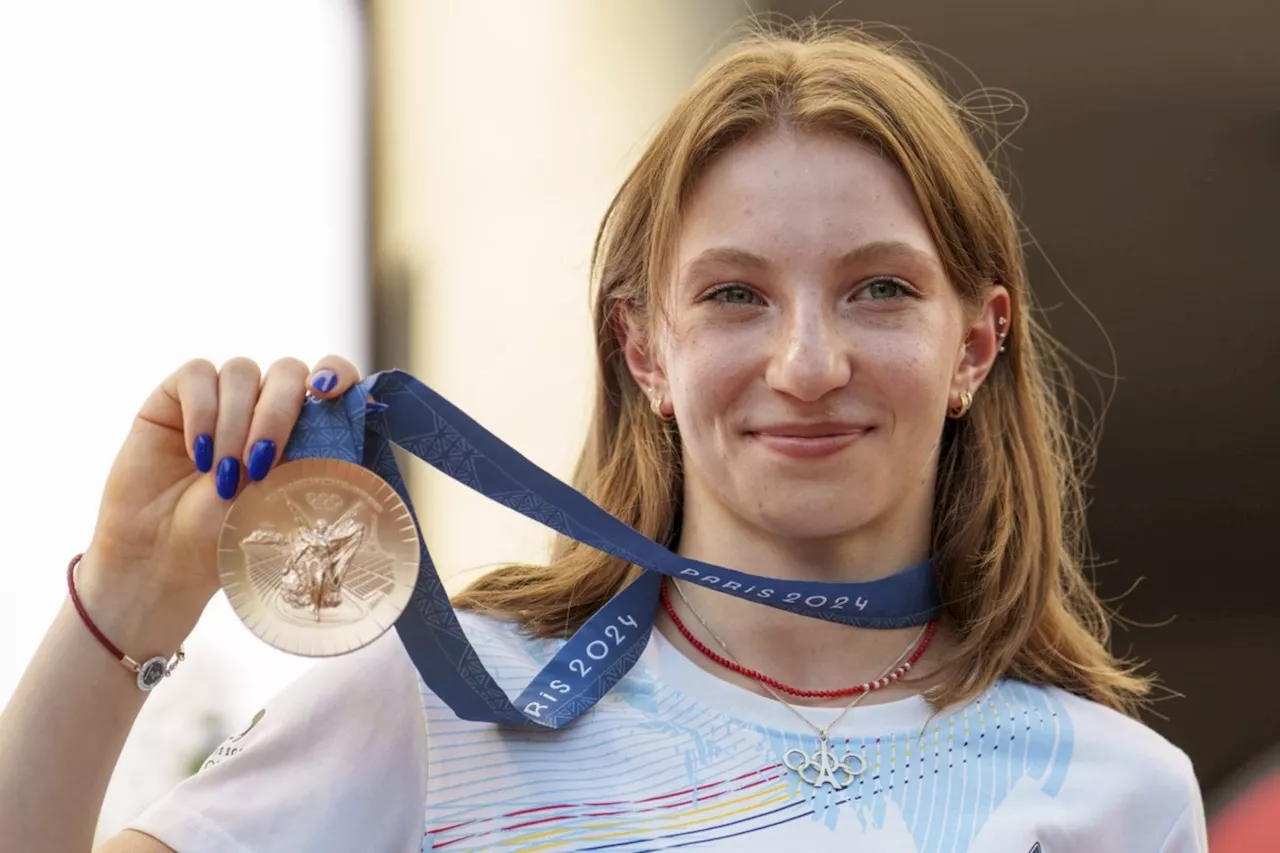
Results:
823 767
319 558
317 555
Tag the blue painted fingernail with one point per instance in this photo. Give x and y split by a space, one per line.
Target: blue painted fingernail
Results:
228 477
260 458
202 449
373 407
323 380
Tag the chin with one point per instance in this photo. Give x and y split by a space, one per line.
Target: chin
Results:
811 516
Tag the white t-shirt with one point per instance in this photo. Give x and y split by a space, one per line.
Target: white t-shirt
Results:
359 755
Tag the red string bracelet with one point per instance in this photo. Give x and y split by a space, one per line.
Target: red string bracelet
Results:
150 672
795 691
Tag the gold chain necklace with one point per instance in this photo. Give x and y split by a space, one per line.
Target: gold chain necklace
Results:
821 766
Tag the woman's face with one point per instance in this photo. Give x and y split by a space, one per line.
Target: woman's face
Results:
813 343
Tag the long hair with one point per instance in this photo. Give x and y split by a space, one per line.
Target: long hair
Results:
1009 543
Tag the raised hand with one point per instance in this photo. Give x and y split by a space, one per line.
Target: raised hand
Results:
197 440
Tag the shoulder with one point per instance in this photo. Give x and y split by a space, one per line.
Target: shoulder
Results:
1115 769
1085 733
345 721
1106 737
354 699
367 679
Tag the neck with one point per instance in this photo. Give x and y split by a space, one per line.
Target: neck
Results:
873 552
800 651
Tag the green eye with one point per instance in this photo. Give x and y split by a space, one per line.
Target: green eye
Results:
885 288
734 294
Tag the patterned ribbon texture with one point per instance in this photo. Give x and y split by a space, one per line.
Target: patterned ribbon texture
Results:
420 421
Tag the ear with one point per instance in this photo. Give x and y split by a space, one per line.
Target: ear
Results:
983 341
641 351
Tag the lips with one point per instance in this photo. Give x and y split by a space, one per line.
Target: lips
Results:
808 440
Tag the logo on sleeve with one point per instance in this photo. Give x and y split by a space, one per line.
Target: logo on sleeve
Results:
257 718
230 746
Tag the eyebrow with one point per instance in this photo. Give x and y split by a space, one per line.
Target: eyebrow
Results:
878 249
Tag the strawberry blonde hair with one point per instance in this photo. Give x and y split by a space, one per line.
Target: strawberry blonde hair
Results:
1009 543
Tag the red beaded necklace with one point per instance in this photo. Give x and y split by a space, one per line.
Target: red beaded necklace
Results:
866 687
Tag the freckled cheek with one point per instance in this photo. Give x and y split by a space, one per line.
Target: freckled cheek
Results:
914 380
708 373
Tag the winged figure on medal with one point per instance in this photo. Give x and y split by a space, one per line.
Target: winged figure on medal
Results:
315 558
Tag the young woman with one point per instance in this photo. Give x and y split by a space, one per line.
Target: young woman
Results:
817 362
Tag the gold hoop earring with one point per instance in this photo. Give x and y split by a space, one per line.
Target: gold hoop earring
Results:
655 405
960 410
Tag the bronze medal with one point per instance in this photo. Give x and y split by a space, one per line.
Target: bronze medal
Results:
319 558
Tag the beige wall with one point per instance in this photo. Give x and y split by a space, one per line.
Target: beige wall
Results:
503 129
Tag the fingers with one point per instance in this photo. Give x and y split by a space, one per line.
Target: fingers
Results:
238 383
194 387
332 376
236 422
279 402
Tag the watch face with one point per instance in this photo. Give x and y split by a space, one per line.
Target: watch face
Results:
151 673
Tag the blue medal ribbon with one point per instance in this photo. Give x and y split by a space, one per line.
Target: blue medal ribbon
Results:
414 417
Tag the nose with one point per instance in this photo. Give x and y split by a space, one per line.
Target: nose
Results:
812 356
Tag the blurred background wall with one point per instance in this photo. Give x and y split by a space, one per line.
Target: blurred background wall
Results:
500 133
417 183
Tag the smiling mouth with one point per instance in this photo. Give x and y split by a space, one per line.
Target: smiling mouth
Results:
810 445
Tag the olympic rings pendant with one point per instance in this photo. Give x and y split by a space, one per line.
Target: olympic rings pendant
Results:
823 767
